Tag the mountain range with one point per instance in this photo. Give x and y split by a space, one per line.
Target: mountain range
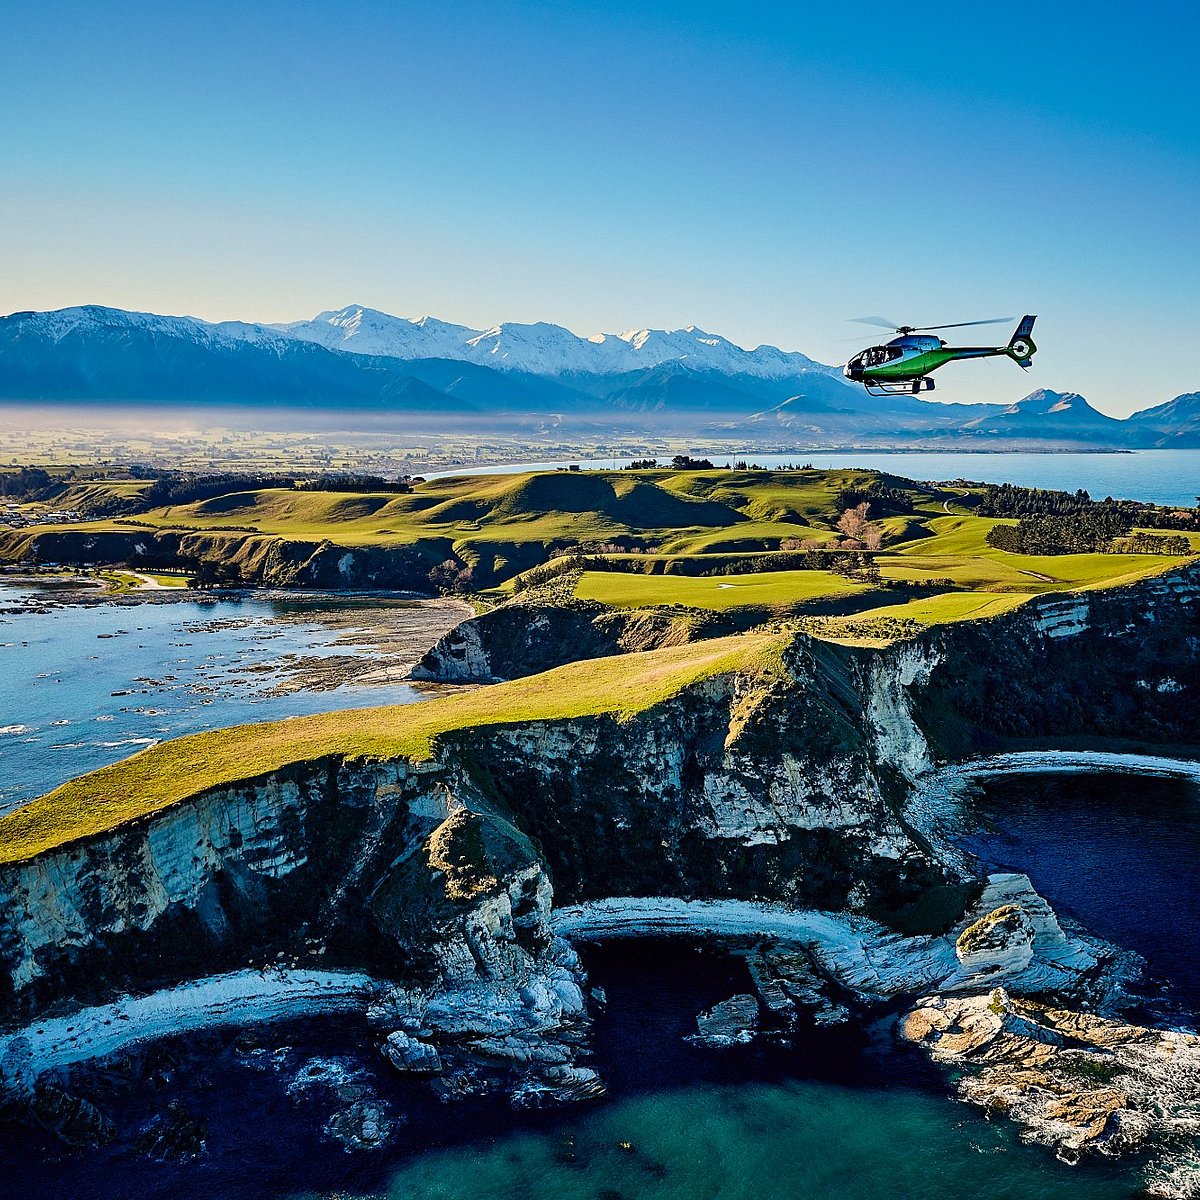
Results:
684 381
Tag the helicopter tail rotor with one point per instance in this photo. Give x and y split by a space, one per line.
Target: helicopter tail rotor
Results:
1021 346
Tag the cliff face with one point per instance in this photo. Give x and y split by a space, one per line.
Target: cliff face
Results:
257 558
1119 665
723 790
442 876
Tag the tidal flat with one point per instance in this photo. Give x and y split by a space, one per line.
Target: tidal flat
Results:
86 680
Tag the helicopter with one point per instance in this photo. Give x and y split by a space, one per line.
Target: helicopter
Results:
903 364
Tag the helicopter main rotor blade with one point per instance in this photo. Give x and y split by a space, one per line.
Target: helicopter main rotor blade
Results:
964 324
882 322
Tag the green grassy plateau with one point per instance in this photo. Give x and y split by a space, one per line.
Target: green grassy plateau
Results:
505 523
717 540
714 539
767 589
173 771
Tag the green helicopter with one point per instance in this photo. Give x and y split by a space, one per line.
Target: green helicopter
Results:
904 364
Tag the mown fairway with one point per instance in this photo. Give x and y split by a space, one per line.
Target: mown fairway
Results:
768 589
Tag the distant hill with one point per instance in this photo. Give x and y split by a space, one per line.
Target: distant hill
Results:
684 381
1051 414
1176 423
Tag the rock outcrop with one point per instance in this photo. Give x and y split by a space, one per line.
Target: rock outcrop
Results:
792 817
1075 1081
526 636
732 1022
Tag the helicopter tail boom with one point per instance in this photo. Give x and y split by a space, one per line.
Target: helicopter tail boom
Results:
1021 347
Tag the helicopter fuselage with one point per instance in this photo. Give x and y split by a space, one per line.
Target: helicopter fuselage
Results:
903 364
910 357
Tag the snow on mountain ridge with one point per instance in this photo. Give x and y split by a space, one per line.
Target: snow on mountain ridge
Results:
542 348
362 330
538 348
61 323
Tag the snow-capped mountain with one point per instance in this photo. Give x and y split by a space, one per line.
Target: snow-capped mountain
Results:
362 330
94 354
91 319
682 381
542 348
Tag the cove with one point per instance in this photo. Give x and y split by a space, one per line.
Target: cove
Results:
1116 851
840 1113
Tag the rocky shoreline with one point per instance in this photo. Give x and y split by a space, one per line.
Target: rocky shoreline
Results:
801 823
1074 1081
379 650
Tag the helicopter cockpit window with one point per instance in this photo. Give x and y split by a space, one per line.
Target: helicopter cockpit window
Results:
877 355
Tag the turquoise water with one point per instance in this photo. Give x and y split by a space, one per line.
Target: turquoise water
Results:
1157 476
82 686
839 1114
790 1140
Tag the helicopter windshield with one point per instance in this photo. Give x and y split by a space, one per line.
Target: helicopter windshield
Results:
877 355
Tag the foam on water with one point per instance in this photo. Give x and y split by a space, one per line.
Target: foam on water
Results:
53 677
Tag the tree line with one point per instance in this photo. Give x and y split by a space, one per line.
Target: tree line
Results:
1010 500
1086 532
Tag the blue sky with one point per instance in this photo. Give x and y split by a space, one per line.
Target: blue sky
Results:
761 174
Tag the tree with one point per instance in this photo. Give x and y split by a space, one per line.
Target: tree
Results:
451 576
853 519
204 576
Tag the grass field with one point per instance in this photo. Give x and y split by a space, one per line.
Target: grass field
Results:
689 522
120 582
960 543
940 609
773 589
176 770
685 510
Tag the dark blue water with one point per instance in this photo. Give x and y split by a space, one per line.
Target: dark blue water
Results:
842 1114
1156 476
82 686
1118 852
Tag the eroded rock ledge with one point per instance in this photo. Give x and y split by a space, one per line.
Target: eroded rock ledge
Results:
1073 1080
784 818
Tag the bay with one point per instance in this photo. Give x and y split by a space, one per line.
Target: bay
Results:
1117 852
84 685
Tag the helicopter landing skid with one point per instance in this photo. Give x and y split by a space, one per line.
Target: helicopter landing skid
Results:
906 387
